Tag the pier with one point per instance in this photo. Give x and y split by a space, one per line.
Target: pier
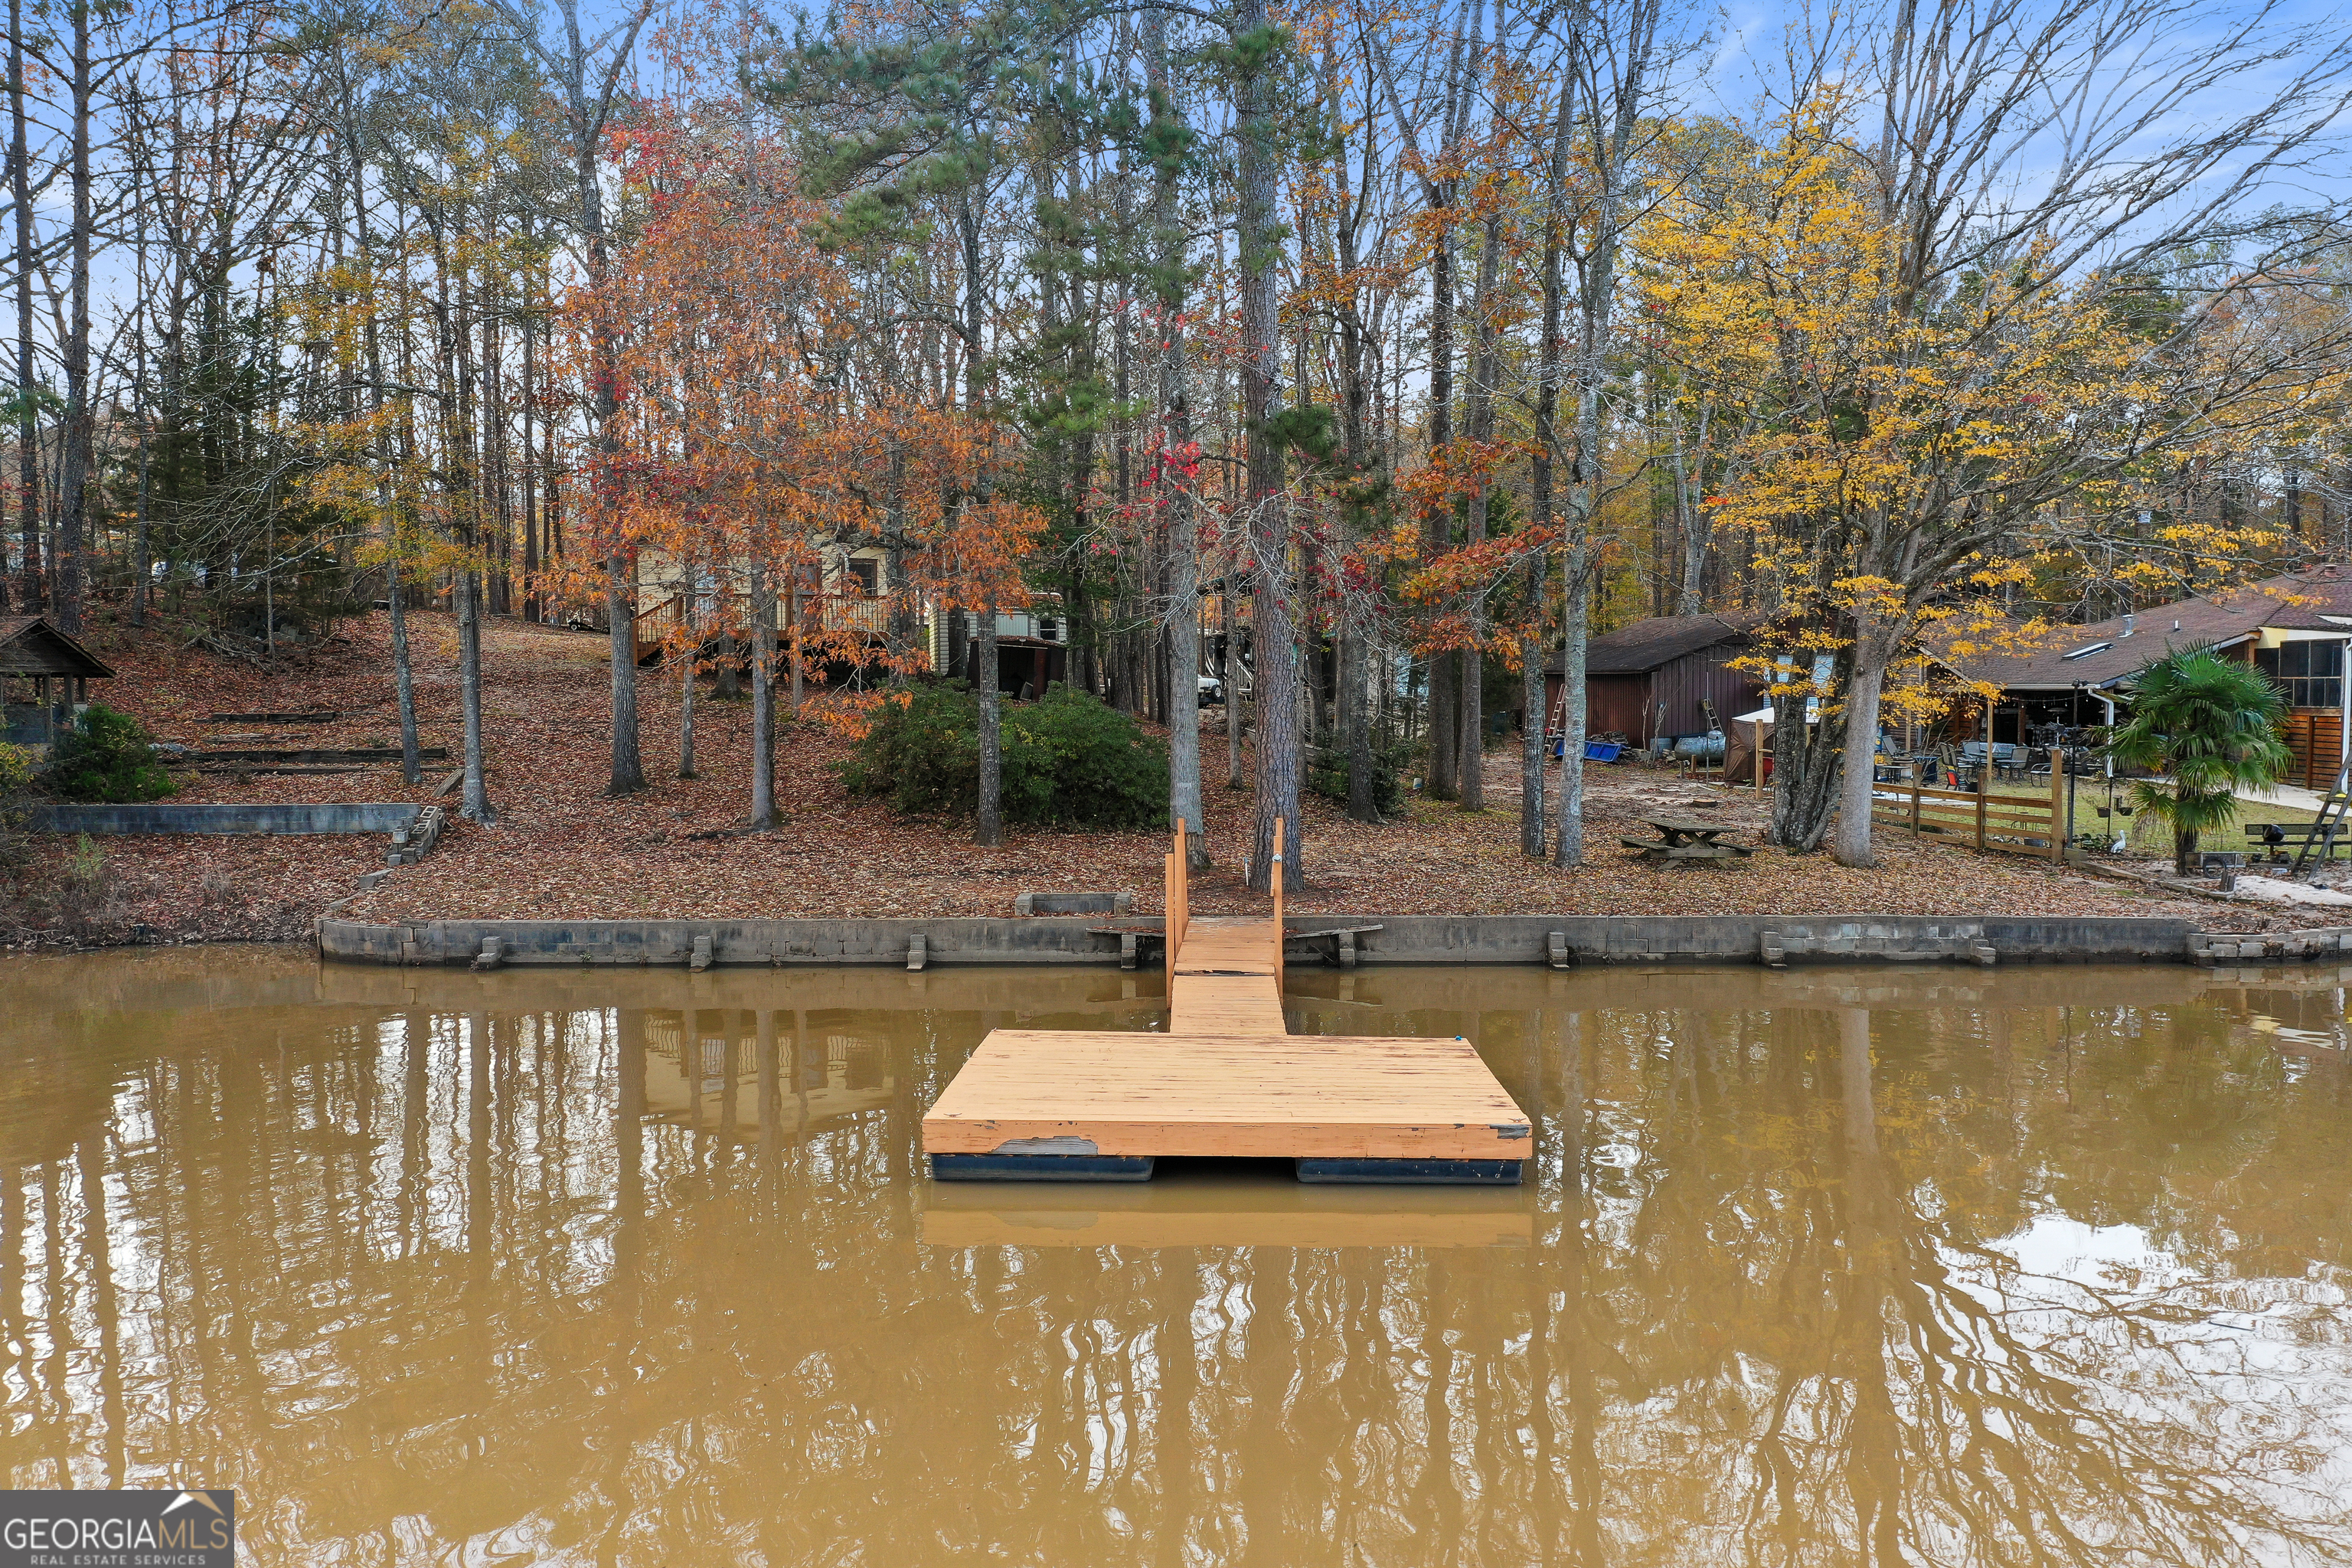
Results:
1227 1079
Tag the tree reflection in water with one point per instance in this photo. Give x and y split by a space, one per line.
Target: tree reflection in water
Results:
598 1268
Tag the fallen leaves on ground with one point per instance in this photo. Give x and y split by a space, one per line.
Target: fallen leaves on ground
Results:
561 849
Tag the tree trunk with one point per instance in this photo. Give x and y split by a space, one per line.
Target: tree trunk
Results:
1805 758
727 680
477 807
1229 673
1484 370
763 702
1437 522
1354 698
1575 621
1532 720
1852 847
1268 508
1183 532
991 815
628 768
29 432
685 663
79 455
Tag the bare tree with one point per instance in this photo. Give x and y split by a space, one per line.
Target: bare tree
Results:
587 73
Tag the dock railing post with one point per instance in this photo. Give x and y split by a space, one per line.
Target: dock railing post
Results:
1179 901
1276 884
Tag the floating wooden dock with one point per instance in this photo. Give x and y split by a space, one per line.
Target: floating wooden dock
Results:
1228 1079
1220 1209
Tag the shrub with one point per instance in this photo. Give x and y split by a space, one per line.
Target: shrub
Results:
1068 759
106 759
15 795
1327 773
1082 762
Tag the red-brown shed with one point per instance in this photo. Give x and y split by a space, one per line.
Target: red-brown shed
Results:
1658 677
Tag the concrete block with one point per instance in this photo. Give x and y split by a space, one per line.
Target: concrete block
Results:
1028 904
1128 945
492 954
699 960
1556 950
918 953
1984 954
1774 955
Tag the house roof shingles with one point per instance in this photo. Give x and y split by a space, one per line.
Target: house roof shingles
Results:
2296 602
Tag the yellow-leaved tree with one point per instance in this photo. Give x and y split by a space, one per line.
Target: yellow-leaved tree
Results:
1952 359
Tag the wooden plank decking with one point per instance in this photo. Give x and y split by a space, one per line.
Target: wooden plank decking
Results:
1228 1079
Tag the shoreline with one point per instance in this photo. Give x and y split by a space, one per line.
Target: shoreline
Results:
1558 941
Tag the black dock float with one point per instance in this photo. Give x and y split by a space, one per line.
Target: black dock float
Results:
1413 1172
1041 1167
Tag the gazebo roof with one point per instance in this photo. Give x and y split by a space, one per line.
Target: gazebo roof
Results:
29 645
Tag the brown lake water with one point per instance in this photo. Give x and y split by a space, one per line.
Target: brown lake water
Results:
1821 1266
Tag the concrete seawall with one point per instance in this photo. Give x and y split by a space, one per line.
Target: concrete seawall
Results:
162 817
1557 940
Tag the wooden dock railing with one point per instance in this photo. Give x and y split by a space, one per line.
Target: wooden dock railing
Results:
1276 883
1177 896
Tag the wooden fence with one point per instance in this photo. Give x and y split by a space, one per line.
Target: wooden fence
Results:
2315 736
2013 825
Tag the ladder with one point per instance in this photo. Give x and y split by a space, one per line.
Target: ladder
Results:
2330 821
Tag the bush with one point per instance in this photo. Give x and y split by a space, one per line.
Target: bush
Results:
16 796
1327 773
106 759
1068 759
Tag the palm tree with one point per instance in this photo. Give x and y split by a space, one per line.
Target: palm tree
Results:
2211 727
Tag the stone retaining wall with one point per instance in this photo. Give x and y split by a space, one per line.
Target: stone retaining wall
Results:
2325 942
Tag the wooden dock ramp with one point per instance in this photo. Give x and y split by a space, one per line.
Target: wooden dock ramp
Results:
1228 1079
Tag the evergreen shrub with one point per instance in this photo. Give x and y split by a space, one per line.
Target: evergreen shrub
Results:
107 758
1327 773
1068 759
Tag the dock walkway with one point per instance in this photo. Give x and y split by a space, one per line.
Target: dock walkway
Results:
1228 1079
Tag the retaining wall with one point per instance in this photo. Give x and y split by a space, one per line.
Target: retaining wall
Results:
2325 942
162 817
1401 938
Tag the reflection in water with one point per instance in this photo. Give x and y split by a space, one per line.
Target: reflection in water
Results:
1815 1268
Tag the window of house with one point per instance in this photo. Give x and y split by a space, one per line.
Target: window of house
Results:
869 574
2312 672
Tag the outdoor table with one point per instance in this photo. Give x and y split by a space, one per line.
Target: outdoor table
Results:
1680 839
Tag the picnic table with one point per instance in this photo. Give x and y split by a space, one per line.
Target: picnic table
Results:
1681 838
